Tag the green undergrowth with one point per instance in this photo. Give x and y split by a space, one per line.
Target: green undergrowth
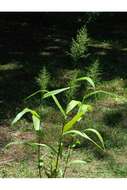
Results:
108 117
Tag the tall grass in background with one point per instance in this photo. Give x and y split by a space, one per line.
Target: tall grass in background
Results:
79 45
43 79
94 71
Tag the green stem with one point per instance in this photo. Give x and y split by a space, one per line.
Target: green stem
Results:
59 148
39 142
58 154
66 163
38 155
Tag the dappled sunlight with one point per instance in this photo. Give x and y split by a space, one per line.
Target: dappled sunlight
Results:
10 66
36 54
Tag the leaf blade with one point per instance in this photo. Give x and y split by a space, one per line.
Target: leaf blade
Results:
82 110
88 79
58 105
77 162
97 134
37 92
70 124
54 92
31 144
99 91
36 122
20 115
76 132
72 104
43 145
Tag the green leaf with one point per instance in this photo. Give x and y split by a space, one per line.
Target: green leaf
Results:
85 108
43 145
36 122
88 79
84 135
100 91
32 144
54 92
16 143
75 119
97 134
72 105
37 92
35 117
77 162
58 105
19 115
49 147
82 110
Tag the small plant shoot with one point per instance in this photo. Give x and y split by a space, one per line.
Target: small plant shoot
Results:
58 165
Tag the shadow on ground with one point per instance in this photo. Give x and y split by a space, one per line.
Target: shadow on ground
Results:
26 46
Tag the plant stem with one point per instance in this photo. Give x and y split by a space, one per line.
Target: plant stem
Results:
59 147
59 152
39 141
66 163
38 155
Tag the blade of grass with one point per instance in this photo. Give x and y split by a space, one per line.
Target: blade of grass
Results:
59 106
84 135
88 79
